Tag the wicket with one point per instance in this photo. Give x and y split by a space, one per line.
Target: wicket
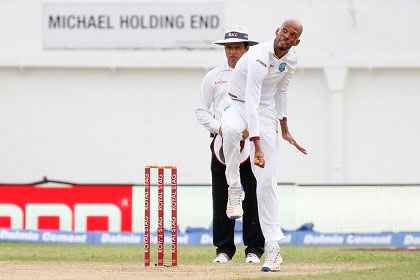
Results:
160 227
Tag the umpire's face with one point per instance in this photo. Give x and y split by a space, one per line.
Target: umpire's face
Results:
234 51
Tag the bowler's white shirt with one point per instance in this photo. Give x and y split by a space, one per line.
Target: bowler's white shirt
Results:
262 79
211 97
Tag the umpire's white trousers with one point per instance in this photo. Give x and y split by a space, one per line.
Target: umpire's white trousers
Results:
233 123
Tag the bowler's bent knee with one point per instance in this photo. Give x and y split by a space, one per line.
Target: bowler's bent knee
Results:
231 133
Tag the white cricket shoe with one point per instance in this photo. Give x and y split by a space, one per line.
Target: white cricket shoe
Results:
252 258
273 260
222 258
234 205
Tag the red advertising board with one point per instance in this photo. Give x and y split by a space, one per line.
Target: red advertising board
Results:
73 208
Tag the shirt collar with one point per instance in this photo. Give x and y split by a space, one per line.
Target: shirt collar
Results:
226 67
271 48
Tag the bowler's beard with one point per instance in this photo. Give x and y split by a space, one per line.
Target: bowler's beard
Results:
280 48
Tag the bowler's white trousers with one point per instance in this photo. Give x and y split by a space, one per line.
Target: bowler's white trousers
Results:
233 123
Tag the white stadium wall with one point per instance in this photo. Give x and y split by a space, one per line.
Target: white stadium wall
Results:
382 125
100 116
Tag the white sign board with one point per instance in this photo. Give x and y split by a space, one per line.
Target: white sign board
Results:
113 25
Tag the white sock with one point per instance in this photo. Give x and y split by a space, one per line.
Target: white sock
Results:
272 244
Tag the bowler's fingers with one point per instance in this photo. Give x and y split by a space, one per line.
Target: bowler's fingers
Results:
294 143
259 161
245 134
300 148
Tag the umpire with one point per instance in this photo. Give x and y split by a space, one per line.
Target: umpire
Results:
212 100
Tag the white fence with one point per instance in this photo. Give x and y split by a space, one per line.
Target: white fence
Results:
331 209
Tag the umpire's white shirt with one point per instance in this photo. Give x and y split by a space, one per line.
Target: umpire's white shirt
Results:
211 97
261 79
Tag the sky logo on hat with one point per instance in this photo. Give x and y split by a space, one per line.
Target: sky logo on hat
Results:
282 66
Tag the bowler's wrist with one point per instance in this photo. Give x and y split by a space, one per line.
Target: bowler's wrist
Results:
257 145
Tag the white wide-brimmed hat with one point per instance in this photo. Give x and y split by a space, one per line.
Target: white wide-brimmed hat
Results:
235 34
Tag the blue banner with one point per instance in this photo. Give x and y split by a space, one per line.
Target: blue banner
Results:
310 238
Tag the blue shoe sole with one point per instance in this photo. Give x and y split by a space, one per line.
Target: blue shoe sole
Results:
235 217
267 269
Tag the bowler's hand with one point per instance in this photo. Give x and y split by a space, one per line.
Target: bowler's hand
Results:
286 136
245 134
259 154
259 159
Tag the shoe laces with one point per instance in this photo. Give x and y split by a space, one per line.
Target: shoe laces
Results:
234 197
252 255
273 258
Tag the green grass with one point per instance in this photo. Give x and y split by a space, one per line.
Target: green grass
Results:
302 254
97 253
408 271
390 265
